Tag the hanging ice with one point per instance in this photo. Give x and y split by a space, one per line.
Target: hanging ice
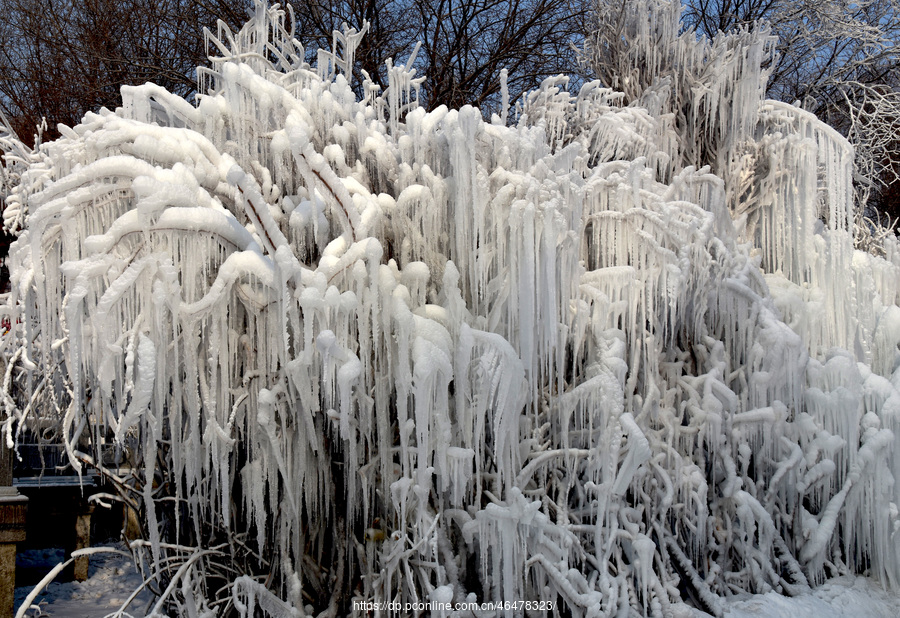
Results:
375 352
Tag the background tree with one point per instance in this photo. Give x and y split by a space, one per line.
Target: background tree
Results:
60 58
822 46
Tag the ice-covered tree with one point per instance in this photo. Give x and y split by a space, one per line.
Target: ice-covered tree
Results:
371 352
841 60
710 81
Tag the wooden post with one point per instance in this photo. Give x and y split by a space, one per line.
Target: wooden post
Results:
13 507
82 539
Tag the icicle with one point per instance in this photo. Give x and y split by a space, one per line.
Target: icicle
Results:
556 355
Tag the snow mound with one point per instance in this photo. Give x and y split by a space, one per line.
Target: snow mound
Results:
112 578
842 596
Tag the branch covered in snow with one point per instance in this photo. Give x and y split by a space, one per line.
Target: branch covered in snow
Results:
369 352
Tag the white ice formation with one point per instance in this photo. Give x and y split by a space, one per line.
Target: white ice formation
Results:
376 353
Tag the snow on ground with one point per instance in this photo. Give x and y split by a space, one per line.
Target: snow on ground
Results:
836 598
111 580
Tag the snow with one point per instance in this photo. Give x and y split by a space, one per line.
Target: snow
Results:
111 580
844 596
602 354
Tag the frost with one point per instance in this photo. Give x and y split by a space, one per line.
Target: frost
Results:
366 351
